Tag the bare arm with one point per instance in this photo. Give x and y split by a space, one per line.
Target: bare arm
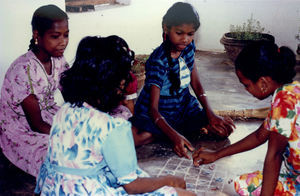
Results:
253 140
222 126
272 164
179 141
260 136
143 185
199 91
33 115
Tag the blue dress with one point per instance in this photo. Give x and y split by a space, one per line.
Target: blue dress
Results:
181 110
90 153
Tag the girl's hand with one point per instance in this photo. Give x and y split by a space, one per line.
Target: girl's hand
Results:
221 126
181 146
201 157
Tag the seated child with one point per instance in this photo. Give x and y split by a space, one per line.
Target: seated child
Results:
27 102
91 152
264 70
126 107
165 106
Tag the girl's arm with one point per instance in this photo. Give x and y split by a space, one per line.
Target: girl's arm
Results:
260 136
33 115
180 142
272 164
143 185
216 122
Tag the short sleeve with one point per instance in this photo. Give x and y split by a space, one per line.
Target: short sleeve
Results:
20 82
156 72
282 116
119 153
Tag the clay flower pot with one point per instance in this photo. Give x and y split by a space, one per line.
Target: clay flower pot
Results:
233 46
138 69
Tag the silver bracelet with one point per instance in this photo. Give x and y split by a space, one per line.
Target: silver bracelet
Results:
158 118
202 95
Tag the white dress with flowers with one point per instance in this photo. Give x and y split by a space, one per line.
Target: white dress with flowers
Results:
90 153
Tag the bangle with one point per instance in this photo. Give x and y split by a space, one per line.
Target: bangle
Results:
158 118
202 95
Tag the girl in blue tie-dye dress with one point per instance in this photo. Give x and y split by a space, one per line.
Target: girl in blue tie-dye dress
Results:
91 152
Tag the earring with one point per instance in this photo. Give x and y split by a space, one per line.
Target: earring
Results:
36 42
164 36
264 90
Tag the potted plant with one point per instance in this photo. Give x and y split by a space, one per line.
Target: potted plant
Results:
138 68
241 35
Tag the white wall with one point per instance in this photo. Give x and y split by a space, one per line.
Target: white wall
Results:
279 17
140 23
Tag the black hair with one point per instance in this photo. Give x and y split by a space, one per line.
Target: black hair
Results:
266 59
43 19
99 67
179 13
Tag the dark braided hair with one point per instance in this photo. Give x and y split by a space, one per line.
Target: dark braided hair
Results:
178 14
43 19
266 59
99 67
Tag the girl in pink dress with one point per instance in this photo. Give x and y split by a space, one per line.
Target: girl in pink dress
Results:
27 96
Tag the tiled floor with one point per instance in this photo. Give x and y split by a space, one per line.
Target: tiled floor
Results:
224 93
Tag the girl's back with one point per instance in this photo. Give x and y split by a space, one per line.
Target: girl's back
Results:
78 142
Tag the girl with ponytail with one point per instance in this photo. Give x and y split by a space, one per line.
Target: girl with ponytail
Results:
266 70
27 97
165 107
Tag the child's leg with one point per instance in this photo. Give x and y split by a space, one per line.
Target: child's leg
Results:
143 130
141 137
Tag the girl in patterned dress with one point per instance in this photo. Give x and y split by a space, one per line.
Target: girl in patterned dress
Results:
91 152
264 70
165 106
27 97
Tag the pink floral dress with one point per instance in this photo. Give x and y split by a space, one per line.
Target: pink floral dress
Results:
284 119
22 146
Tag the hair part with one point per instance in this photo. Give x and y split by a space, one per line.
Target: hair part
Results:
266 59
99 67
43 19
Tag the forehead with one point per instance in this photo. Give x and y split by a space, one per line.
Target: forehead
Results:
184 27
59 26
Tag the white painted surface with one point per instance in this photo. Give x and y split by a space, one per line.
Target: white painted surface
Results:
281 18
140 23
